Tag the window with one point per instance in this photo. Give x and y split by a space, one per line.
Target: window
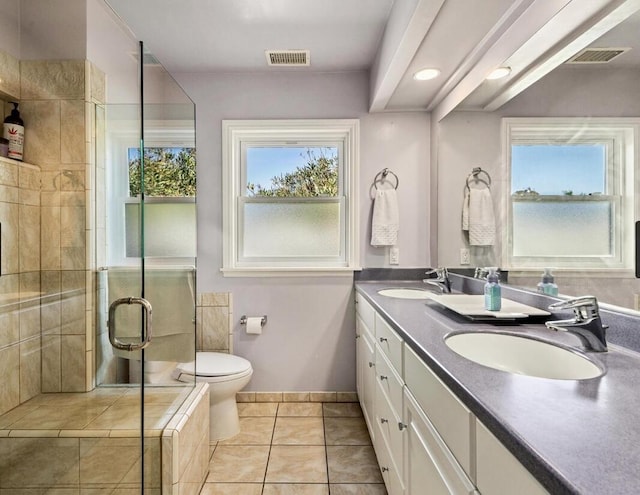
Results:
169 200
570 193
290 196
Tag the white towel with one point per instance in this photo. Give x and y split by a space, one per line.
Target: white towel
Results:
478 217
386 218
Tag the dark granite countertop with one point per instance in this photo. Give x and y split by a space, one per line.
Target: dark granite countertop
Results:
574 436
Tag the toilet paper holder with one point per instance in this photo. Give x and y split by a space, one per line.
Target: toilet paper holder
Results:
263 320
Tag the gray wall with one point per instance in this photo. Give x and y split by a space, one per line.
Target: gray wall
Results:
308 343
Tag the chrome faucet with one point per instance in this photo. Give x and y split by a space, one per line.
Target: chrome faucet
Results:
586 323
441 280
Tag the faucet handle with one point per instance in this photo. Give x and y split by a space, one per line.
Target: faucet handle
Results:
584 307
441 273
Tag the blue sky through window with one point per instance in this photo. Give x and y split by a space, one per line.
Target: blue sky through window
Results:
554 169
263 163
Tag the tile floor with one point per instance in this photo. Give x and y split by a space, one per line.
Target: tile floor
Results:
289 448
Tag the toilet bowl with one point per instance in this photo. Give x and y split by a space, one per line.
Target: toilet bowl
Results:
226 375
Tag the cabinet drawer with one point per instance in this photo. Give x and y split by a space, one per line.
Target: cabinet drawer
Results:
390 343
453 421
362 330
392 478
388 427
430 467
499 471
389 381
366 312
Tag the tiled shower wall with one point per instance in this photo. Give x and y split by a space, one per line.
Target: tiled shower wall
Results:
19 283
53 351
214 322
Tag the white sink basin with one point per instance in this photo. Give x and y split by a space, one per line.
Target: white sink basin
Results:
522 355
405 293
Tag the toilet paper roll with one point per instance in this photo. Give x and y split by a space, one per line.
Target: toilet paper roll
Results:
254 324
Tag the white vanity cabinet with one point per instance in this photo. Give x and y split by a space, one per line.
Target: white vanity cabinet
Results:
425 438
365 359
500 472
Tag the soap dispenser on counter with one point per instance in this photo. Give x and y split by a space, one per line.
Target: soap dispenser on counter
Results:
547 285
492 291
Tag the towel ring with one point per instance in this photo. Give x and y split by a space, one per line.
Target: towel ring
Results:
382 175
475 175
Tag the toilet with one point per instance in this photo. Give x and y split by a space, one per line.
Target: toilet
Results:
226 375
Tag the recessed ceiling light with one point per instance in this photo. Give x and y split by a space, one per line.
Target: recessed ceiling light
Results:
426 74
499 73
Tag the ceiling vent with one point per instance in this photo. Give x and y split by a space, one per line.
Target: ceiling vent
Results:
148 59
597 55
288 58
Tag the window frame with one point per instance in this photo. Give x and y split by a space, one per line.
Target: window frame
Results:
236 135
620 135
158 134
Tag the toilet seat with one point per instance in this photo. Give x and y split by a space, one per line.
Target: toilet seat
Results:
215 366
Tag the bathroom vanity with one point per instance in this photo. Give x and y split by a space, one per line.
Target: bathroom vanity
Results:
441 422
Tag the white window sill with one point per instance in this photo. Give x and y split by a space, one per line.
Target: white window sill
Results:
290 272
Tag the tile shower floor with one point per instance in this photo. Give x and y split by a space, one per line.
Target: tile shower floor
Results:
290 448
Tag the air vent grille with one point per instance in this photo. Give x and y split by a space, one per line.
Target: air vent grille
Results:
288 58
597 55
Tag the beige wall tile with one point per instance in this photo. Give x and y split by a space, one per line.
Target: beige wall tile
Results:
51 373
53 79
246 397
215 299
191 436
72 363
9 173
215 328
30 372
9 194
73 147
10 218
295 396
107 460
268 396
322 396
44 462
29 320
97 84
9 327
10 373
10 79
50 237
72 226
42 133
73 258
29 238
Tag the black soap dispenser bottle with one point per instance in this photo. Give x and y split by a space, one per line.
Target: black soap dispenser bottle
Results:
13 130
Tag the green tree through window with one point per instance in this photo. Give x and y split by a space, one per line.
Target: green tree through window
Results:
168 172
318 177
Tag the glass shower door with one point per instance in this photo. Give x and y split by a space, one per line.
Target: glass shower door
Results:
150 275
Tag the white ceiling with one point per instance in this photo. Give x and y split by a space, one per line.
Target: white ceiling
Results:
464 39
232 35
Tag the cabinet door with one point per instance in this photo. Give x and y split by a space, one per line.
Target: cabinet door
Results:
365 355
430 467
499 471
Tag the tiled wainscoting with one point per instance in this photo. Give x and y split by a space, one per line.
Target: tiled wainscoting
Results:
296 448
83 441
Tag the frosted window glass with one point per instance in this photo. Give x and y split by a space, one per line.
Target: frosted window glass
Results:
572 228
170 229
287 229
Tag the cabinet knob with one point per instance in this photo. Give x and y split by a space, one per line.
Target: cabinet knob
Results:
383 420
357 336
384 469
371 365
382 377
401 426
383 339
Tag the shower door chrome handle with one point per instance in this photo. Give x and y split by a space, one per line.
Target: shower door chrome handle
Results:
118 344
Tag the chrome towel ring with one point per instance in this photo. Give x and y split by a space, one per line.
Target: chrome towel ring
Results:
382 176
479 175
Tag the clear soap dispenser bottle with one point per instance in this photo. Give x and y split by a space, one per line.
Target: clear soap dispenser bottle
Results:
492 291
547 285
